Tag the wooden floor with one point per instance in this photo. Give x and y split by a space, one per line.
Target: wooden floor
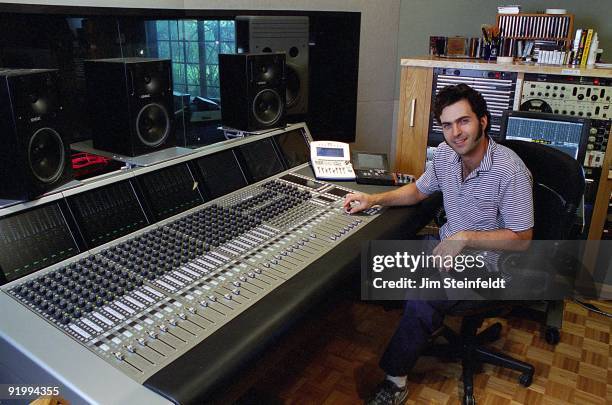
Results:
333 360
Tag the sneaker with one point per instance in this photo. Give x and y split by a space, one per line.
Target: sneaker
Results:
388 394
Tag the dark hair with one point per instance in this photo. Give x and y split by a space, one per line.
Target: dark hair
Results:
451 94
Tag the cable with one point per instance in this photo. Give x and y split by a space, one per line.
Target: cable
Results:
593 308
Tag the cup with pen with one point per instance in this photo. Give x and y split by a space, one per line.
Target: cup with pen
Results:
491 36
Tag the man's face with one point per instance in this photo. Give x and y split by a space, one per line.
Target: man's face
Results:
462 129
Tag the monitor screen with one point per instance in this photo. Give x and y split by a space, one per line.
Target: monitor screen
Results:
106 213
33 239
294 147
567 134
170 191
337 192
330 152
362 160
261 159
221 173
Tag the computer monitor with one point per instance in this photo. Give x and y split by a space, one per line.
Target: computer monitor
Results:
568 134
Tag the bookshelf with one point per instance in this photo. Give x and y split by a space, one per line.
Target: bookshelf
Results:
548 27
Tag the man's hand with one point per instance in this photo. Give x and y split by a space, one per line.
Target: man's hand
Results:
451 246
356 202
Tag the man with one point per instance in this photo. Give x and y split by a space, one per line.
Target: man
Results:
487 193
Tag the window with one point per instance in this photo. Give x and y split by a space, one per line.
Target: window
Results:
194 47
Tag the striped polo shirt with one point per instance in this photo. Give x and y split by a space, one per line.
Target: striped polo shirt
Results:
497 195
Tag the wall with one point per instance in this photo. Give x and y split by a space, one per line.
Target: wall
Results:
377 53
420 19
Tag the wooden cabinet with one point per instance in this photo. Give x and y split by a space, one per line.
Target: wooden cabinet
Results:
413 121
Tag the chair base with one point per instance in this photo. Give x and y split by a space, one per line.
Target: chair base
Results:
469 348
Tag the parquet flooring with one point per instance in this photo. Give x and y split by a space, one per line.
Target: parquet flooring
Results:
335 362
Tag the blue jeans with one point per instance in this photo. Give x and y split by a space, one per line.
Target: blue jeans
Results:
419 321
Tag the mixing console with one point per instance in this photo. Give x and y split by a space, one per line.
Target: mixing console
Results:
143 301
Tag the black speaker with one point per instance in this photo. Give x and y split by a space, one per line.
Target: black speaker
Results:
34 157
252 90
287 34
130 104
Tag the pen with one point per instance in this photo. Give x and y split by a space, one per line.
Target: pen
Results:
484 32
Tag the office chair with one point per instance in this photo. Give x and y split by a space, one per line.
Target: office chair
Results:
558 185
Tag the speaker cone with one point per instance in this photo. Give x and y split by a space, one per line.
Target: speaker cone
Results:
46 155
153 124
267 107
293 86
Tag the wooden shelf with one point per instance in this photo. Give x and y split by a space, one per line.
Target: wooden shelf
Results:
517 66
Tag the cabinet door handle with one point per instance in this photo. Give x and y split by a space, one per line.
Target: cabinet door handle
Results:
412 108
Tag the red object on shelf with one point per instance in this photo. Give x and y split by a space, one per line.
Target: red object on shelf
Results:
82 159
85 165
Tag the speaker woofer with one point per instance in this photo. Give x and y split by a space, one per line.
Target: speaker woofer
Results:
46 155
267 107
153 124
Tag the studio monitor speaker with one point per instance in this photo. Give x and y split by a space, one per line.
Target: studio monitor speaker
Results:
34 156
252 90
287 34
130 104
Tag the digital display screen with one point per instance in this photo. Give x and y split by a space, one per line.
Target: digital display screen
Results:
170 191
221 173
323 198
107 213
261 159
301 181
34 239
294 147
330 152
370 161
337 192
565 136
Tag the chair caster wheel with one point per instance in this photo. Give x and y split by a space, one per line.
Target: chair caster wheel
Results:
526 379
552 335
469 400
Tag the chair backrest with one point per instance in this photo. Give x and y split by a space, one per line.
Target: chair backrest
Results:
558 186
